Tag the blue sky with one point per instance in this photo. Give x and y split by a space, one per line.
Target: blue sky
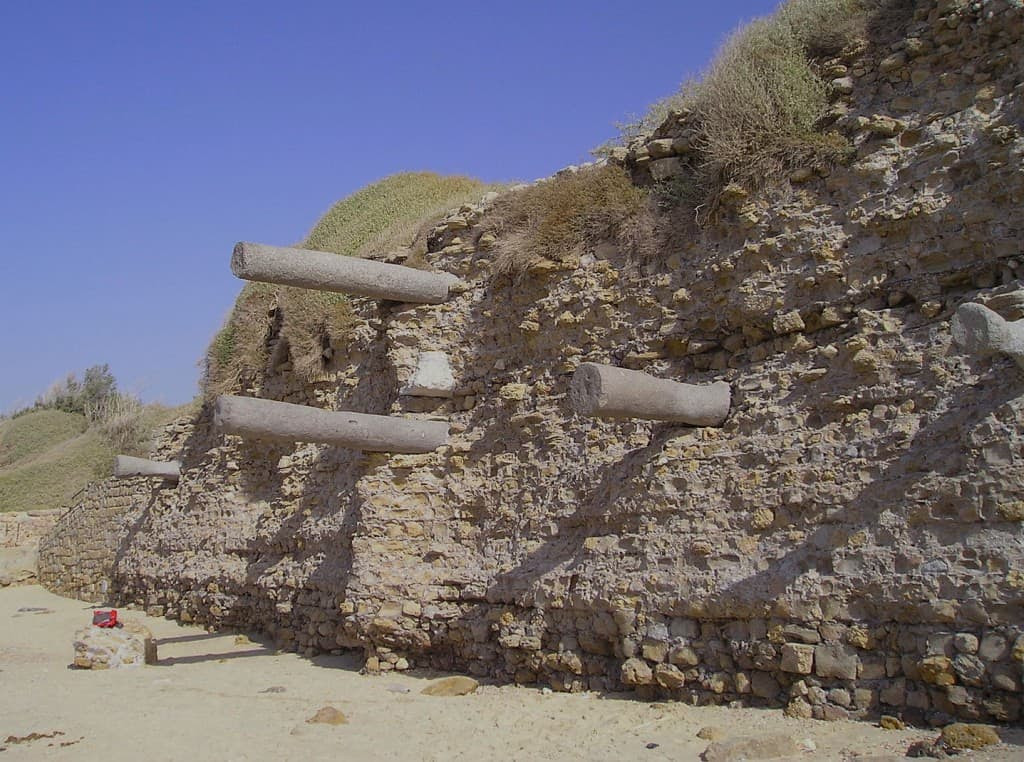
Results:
140 140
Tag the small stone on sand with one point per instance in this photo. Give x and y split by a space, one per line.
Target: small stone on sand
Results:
458 685
328 715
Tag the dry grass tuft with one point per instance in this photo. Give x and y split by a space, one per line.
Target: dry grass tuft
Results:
754 112
119 417
825 28
554 220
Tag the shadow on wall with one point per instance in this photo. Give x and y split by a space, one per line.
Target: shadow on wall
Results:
907 481
288 548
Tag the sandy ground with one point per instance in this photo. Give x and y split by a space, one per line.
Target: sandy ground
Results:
210 698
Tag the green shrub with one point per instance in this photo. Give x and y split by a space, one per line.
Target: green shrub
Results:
555 219
74 396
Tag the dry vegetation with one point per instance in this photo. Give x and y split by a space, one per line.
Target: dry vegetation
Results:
556 219
270 325
756 110
52 477
751 119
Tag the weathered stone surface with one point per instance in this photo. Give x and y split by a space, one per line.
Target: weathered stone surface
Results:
865 488
637 672
433 376
683 656
994 647
669 676
763 684
836 661
113 648
751 748
457 685
328 715
981 331
325 271
609 392
797 658
18 566
23 529
282 421
937 670
961 736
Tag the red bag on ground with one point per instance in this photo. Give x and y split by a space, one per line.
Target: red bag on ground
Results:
102 618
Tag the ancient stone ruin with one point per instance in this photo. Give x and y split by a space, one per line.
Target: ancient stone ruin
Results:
826 516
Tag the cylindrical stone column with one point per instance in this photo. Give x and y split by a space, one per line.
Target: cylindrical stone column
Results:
605 391
980 331
324 271
126 466
285 422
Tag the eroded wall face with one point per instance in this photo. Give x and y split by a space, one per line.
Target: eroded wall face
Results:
849 542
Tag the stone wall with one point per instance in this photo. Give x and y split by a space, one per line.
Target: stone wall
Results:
78 555
848 543
76 558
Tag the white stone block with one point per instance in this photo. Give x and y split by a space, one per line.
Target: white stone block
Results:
433 377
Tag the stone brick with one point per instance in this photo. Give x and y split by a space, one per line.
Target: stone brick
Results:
763 684
838 661
937 670
636 672
797 658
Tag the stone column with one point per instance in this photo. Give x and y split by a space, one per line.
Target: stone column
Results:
605 391
324 271
980 331
126 466
285 422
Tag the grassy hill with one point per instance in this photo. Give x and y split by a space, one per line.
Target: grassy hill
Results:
30 435
46 456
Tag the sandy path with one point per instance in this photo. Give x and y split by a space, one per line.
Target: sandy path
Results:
207 700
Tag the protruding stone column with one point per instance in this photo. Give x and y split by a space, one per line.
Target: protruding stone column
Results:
608 392
126 466
980 331
324 271
285 422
